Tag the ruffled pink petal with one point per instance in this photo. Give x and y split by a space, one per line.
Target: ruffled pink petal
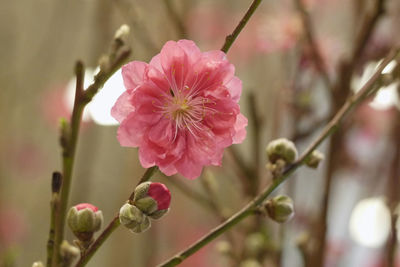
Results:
122 107
192 51
235 88
130 131
167 169
188 168
240 128
146 159
162 133
156 62
175 64
211 74
133 74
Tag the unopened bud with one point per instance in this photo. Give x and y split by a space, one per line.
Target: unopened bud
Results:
84 219
314 159
283 149
133 218
153 199
38 264
104 63
280 208
250 263
122 33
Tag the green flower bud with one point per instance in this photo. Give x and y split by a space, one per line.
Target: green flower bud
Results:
280 208
283 149
133 218
84 219
146 204
314 159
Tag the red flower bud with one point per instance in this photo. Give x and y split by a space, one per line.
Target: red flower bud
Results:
153 199
160 193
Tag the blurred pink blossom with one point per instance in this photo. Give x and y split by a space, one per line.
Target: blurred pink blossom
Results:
53 106
278 32
264 33
57 103
12 227
26 158
181 109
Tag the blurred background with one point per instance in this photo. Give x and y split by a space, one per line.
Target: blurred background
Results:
345 208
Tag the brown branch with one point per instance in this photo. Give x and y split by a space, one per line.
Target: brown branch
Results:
315 51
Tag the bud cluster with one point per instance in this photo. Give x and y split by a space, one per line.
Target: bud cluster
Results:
280 153
151 200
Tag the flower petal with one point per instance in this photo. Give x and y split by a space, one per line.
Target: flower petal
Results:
122 107
133 74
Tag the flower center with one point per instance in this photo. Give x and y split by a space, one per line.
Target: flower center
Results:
186 109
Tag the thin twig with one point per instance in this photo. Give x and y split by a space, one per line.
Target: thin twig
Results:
70 137
56 182
250 208
69 132
232 37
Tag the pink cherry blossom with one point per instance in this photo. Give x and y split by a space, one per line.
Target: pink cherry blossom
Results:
181 109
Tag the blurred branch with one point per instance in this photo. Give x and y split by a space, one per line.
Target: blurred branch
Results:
299 135
232 37
393 193
367 29
192 194
176 19
112 225
70 131
242 170
256 121
250 208
309 34
340 94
